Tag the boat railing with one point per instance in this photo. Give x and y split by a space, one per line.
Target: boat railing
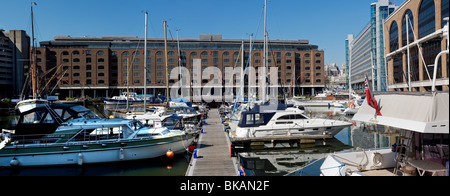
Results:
334 120
33 139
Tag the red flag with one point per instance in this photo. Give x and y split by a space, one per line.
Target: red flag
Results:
370 100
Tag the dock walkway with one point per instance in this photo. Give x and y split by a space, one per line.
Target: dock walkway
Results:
213 151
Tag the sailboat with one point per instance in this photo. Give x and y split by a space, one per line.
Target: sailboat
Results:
28 104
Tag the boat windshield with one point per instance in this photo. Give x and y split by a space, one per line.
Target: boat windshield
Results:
84 112
135 125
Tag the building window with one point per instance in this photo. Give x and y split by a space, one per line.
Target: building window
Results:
100 53
101 60
317 54
226 54
204 53
393 37
444 12
100 74
64 53
101 81
88 82
76 52
171 53
193 54
159 53
76 67
426 18
76 60
126 53
76 82
88 74
101 67
76 74
410 28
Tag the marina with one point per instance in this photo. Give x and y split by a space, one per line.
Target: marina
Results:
261 105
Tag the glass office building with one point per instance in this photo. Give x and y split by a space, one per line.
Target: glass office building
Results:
366 50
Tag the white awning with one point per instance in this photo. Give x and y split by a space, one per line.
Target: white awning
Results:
421 112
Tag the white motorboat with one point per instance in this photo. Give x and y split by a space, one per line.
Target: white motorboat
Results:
284 120
28 104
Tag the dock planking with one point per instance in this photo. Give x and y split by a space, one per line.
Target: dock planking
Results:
213 151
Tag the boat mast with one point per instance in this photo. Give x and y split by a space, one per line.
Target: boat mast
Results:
33 58
145 62
128 82
167 68
179 66
263 92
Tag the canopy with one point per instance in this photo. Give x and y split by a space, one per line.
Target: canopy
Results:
420 112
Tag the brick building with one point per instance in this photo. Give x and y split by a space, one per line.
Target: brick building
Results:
97 67
424 30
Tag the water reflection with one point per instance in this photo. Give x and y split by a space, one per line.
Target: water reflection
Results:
160 166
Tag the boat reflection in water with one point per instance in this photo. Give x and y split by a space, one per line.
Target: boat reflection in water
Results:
306 159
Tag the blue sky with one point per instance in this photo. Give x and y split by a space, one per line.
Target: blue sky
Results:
325 23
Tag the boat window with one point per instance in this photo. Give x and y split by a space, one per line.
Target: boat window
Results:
250 119
48 119
259 119
292 117
254 119
285 122
135 125
89 115
33 117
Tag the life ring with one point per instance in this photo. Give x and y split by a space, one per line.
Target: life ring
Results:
377 160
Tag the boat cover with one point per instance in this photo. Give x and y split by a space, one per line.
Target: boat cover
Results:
420 112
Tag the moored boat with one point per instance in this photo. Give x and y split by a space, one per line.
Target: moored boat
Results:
90 139
284 120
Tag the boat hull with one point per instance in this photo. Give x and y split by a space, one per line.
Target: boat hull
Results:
84 153
265 131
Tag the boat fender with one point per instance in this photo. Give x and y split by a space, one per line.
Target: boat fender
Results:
121 154
377 160
14 162
80 159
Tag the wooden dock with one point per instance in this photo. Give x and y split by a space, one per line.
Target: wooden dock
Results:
213 151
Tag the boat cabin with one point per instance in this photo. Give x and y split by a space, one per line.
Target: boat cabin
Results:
261 114
45 119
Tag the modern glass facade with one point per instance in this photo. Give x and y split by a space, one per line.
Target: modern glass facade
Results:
368 49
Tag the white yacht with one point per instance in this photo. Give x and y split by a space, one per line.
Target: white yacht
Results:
284 120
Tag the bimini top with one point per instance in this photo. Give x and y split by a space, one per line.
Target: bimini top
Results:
420 112
260 114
